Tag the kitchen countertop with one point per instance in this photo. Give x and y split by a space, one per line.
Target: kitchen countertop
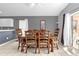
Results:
7 30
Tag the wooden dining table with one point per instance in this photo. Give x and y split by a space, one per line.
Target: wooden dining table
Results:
51 39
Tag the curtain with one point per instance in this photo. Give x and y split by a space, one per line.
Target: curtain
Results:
62 40
67 30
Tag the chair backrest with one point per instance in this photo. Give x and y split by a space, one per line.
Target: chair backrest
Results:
35 30
19 32
30 34
44 34
56 32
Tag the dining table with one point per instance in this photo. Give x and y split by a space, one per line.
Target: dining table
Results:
51 38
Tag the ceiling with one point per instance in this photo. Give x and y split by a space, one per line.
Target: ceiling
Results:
30 9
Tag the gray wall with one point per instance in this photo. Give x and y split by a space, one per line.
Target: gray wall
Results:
34 22
71 8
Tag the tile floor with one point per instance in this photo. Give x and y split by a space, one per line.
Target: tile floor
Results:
10 49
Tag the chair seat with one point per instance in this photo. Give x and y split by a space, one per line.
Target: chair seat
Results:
30 41
43 41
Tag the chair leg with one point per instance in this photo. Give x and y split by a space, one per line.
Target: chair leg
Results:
51 46
22 47
26 49
19 44
26 46
36 50
36 47
18 47
39 46
39 49
48 48
57 46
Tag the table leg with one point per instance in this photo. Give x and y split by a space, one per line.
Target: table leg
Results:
51 41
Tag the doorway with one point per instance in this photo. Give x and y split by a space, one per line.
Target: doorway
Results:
23 24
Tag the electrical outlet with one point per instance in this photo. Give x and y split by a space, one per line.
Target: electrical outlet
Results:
7 38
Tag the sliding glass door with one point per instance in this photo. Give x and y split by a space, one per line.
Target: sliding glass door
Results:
76 30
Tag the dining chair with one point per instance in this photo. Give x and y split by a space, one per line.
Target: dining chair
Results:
44 39
19 34
31 39
21 39
55 38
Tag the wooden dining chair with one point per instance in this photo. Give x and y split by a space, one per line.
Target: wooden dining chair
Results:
31 39
21 39
44 39
19 34
55 42
55 38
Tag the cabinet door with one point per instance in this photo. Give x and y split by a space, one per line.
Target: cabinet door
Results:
2 37
6 36
13 35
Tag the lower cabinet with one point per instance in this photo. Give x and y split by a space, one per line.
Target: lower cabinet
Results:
7 36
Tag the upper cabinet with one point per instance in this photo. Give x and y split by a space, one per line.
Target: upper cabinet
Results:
6 22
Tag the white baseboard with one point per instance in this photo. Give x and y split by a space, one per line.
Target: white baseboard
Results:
66 50
7 42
